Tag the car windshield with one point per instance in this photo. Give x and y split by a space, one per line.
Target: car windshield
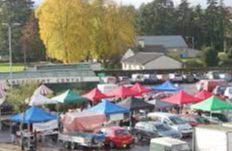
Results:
221 89
177 120
221 117
121 132
230 90
201 120
162 127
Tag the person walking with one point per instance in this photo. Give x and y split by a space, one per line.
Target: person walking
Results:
14 129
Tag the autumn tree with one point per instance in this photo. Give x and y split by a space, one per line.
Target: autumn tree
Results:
113 31
77 30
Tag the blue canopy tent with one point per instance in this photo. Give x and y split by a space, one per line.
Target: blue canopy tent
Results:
33 115
108 108
166 86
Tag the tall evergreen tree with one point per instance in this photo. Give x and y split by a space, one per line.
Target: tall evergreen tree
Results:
13 11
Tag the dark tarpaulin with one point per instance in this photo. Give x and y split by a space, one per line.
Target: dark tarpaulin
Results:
133 104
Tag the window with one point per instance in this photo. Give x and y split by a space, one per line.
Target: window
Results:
162 127
177 120
121 132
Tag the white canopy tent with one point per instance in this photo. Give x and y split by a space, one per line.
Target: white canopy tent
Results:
38 100
43 90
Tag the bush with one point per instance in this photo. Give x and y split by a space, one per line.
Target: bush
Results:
193 64
211 56
225 63
222 56
17 96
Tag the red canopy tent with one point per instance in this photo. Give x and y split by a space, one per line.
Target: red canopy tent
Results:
203 95
181 98
95 95
139 88
122 92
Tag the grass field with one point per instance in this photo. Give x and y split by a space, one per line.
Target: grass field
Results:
4 67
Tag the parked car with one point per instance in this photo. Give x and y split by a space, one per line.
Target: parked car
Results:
150 129
173 121
189 78
209 85
109 80
228 93
195 120
117 137
150 78
175 77
219 90
225 76
168 144
137 78
215 117
124 80
162 77
213 75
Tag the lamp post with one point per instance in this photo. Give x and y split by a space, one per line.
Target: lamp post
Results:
10 46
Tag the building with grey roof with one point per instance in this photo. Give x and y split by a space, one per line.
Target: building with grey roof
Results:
150 61
169 42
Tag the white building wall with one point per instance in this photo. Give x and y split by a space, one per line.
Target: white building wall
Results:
128 66
163 62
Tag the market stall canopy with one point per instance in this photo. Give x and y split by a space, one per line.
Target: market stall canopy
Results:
203 95
69 97
82 121
38 100
181 98
166 86
160 104
122 92
133 104
33 115
140 89
107 108
212 104
95 95
4 86
43 90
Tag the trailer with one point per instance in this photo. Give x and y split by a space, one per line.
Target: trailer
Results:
75 140
213 138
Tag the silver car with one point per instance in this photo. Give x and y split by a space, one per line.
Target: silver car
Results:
150 129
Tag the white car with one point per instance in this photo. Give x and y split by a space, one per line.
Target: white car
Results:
137 78
175 77
173 121
228 93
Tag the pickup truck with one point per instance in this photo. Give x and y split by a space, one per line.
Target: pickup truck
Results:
75 140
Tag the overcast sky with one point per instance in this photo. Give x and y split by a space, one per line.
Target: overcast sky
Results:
137 3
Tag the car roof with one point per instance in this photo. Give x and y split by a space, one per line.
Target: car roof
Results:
161 114
150 122
168 141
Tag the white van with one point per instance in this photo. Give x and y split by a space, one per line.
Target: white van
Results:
105 88
173 121
168 144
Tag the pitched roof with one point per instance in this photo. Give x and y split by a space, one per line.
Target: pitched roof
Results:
173 41
143 57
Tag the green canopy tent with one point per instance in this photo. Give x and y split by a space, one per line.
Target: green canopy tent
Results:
69 97
212 104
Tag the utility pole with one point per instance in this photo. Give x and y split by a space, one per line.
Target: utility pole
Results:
10 47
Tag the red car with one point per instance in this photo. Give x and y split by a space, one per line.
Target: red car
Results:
118 137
